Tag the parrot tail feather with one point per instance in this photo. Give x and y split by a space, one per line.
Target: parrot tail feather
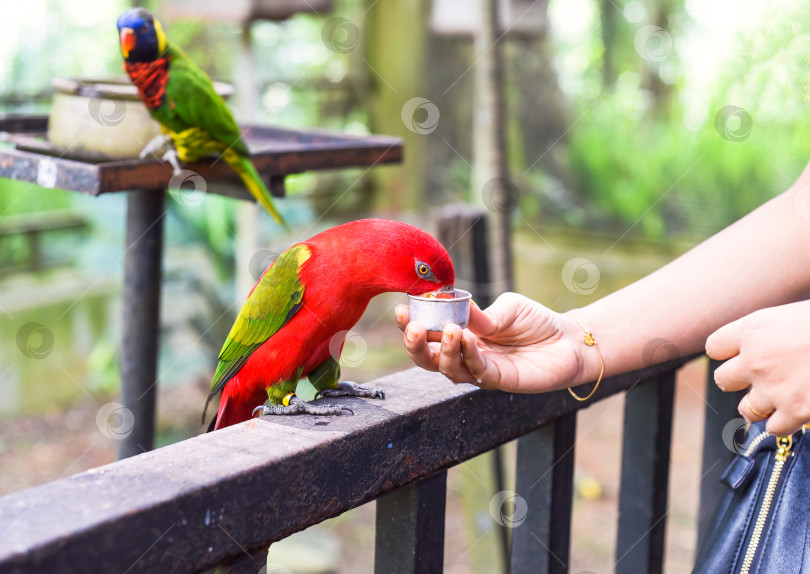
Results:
232 412
212 425
245 169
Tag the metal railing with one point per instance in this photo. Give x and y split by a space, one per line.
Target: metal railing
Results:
223 497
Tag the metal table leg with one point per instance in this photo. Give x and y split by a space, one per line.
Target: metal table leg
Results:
141 316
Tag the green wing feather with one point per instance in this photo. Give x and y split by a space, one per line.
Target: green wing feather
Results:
202 124
197 104
275 299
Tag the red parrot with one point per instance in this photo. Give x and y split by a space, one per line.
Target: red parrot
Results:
303 305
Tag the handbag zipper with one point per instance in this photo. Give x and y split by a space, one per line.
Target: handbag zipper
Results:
755 443
784 444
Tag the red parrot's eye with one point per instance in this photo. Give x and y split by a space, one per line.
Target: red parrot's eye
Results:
424 272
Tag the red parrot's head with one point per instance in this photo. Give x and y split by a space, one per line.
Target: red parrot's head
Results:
430 265
379 255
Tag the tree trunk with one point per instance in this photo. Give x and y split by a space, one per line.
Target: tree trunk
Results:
393 60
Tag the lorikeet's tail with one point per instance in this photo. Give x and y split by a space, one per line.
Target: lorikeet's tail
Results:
253 181
233 411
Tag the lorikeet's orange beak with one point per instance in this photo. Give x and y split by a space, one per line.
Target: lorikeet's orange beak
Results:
127 41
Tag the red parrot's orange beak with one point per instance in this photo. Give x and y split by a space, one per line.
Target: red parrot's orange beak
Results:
127 41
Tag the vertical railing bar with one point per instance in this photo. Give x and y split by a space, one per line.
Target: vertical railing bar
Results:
718 445
503 531
643 493
565 435
533 484
245 563
543 498
410 528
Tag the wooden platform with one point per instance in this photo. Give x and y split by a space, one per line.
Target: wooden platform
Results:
276 152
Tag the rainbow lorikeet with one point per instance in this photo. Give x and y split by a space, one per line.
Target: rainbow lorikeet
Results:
181 97
294 322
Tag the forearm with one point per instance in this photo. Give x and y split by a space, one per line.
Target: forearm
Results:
763 260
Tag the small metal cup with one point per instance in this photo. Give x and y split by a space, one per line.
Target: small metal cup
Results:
435 313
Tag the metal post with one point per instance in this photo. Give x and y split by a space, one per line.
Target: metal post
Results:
721 410
141 316
247 563
645 476
410 528
545 481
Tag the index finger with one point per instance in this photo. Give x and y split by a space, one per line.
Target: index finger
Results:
419 348
725 342
403 316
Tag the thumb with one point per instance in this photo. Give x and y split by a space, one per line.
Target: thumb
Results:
481 322
725 342
488 322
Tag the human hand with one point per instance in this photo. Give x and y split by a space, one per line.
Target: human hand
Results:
516 345
768 351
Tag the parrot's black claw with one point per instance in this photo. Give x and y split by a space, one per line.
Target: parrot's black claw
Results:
350 389
299 407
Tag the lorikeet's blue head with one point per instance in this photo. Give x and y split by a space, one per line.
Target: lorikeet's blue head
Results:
142 38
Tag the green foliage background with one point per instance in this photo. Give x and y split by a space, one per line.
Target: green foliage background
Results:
650 171
636 164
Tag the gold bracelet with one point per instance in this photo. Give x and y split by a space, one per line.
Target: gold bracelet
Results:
589 340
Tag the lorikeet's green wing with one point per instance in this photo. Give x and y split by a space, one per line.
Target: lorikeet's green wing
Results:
274 300
195 101
202 124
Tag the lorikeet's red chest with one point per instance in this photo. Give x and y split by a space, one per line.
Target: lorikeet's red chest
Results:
308 340
150 78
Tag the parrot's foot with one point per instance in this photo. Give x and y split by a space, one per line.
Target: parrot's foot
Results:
298 407
171 157
157 146
350 389
161 146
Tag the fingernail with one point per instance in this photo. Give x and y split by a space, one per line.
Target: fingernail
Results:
410 333
448 335
473 302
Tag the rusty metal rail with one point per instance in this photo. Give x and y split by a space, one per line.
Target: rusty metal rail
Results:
225 496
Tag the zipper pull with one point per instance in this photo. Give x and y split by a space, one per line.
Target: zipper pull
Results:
784 444
739 470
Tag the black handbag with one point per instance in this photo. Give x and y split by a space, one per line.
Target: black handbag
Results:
762 523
